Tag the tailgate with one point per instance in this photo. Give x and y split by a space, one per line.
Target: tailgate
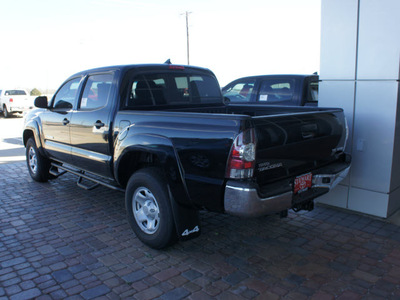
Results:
22 101
294 144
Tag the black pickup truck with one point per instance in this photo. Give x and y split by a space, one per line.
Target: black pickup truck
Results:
288 89
163 135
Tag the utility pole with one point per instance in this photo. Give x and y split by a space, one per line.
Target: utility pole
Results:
187 35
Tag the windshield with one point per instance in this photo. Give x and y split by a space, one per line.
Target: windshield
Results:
173 89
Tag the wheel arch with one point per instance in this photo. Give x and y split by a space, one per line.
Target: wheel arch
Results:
31 129
144 150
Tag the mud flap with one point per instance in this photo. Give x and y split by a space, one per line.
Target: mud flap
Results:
187 221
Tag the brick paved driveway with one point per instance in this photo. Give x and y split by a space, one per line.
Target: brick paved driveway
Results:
58 241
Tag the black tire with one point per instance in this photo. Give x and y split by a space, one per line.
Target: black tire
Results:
149 210
5 112
38 165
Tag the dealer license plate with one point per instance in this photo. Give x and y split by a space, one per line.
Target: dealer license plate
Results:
302 183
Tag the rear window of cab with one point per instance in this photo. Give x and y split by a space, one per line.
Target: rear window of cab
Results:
172 89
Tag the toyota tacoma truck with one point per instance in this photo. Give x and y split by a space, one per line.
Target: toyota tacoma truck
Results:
163 135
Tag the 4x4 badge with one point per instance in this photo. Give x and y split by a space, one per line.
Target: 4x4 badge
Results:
187 231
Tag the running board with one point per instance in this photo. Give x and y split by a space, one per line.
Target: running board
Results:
81 175
86 187
54 171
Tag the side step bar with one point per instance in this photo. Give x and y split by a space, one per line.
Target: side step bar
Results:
81 175
54 171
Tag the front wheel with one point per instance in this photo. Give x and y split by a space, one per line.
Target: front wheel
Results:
149 209
38 165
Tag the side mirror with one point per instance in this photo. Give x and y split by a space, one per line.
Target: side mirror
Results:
41 102
226 100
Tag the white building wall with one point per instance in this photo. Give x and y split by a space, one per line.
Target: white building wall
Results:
360 65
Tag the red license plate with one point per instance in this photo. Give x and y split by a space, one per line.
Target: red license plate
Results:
302 183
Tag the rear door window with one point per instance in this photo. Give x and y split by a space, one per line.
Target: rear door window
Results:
96 92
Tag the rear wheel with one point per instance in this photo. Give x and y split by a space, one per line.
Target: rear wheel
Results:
38 165
5 112
149 209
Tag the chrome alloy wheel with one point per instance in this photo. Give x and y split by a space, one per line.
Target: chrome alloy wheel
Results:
146 211
32 159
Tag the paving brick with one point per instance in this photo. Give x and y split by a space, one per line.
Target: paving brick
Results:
12 290
322 296
176 294
13 262
28 294
68 284
135 276
365 276
8 276
192 287
96 292
149 293
200 296
235 278
11 281
26 285
348 295
47 284
62 275
75 290
166 274
191 274
296 279
212 290
164 286
77 269
58 266
58 294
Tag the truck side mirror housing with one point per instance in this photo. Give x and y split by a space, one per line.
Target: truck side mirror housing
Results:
41 102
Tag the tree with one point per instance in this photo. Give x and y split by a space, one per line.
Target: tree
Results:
35 92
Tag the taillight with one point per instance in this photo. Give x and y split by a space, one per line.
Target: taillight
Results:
242 158
10 100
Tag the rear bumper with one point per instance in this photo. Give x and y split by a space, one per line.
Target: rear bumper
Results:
18 108
243 199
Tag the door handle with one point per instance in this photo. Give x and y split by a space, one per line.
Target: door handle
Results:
309 131
65 121
98 124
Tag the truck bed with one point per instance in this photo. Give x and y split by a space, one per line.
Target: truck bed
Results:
291 141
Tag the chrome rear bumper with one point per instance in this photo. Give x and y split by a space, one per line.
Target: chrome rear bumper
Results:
243 200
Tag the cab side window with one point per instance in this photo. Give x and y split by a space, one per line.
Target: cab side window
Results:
240 91
66 96
96 92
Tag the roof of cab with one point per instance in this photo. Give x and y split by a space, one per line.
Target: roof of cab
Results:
124 68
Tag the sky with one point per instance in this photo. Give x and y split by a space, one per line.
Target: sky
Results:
43 42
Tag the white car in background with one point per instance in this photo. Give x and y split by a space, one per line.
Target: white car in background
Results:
15 101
